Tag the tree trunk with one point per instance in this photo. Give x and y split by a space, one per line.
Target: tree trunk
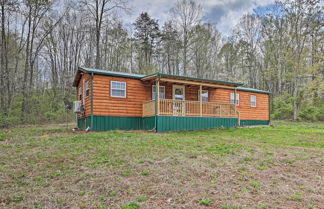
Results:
2 55
295 93
26 68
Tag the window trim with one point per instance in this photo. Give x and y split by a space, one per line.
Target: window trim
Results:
203 97
255 100
160 93
111 88
237 102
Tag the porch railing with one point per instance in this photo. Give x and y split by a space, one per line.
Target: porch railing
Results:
189 108
149 108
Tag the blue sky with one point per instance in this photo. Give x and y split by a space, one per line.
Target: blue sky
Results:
225 14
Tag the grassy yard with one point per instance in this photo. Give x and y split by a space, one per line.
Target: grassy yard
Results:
281 166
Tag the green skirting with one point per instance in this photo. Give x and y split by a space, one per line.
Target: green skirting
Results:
155 123
148 123
176 123
106 123
84 123
254 122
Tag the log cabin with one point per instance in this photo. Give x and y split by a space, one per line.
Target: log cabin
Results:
108 100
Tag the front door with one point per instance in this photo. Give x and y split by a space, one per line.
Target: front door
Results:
179 96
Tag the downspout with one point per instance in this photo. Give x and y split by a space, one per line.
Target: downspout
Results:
76 114
157 100
91 117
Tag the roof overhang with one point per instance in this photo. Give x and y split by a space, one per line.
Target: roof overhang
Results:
77 77
167 78
253 90
102 72
191 80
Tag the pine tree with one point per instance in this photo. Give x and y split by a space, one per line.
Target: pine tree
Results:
147 35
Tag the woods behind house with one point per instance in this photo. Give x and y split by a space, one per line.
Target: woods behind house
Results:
279 48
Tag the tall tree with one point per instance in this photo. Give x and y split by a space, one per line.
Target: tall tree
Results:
99 10
300 17
170 44
147 35
249 35
187 14
205 48
35 16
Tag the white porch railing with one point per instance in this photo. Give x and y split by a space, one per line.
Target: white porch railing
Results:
189 108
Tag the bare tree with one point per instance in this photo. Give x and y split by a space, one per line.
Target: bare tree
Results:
99 10
249 34
187 14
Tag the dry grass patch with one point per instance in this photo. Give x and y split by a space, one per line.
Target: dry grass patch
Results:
266 167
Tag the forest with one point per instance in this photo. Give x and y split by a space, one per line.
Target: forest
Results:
43 42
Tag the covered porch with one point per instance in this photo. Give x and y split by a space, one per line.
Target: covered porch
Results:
179 96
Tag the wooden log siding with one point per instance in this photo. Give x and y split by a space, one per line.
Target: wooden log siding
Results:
260 112
136 94
87 100
191 92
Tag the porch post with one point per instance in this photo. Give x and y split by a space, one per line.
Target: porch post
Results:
200 92
235 100
157 96
238 118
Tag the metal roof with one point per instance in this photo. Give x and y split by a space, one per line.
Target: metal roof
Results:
140 76
192 78
252 90
112 73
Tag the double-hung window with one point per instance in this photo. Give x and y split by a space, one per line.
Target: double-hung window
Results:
253 100
118 89
86 88
204 95
237 99
162 92
80 93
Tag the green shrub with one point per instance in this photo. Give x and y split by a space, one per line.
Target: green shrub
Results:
142 198
282 107
42 107
145 172
312 113
6 122
205 202
132 205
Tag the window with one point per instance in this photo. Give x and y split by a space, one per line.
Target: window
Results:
162 92
118 89
237 99
204 95
86 87
253 100
80 93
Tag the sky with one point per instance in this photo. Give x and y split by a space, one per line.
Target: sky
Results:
225 14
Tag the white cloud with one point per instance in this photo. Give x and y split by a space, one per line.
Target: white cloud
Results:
224 13
157 9
227 13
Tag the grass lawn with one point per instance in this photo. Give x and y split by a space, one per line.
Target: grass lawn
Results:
281 166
